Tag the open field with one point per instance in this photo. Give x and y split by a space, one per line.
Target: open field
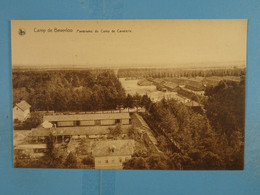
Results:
131 87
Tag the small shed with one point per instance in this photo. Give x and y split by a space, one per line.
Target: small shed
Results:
21 111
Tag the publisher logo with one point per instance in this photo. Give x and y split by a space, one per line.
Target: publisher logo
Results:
21 31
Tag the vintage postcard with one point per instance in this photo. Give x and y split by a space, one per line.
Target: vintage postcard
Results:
129 94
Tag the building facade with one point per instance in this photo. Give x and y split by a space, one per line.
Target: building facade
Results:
21 111
111 154
79 126
99 119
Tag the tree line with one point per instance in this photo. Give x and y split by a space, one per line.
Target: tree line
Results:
162 73
68 90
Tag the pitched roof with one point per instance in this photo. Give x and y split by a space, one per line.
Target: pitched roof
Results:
113 147
175 80
144 82
197 79
170 85
158 81
194 84
23 105
86 117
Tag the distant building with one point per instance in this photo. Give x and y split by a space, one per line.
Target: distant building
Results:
214 80
171 86
158 81
179 81
144 82
194 85
111 154
21 111
200 93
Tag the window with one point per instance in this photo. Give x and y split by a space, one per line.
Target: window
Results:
39 150
97 122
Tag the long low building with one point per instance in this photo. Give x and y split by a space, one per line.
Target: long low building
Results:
97 119
74 126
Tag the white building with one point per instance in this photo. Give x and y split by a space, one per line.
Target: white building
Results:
111 154
21 111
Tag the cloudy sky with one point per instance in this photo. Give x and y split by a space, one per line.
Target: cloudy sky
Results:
147 42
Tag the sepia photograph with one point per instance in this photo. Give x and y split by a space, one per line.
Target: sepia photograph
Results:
129 94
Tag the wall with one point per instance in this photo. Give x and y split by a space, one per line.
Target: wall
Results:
87 123
108 122
113 162
26 113
65 124
18 114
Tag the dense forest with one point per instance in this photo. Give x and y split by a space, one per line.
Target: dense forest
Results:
192 140
164 72
68 90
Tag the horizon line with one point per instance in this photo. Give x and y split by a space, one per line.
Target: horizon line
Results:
227 64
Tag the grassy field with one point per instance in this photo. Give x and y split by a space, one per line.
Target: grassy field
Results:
131 87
